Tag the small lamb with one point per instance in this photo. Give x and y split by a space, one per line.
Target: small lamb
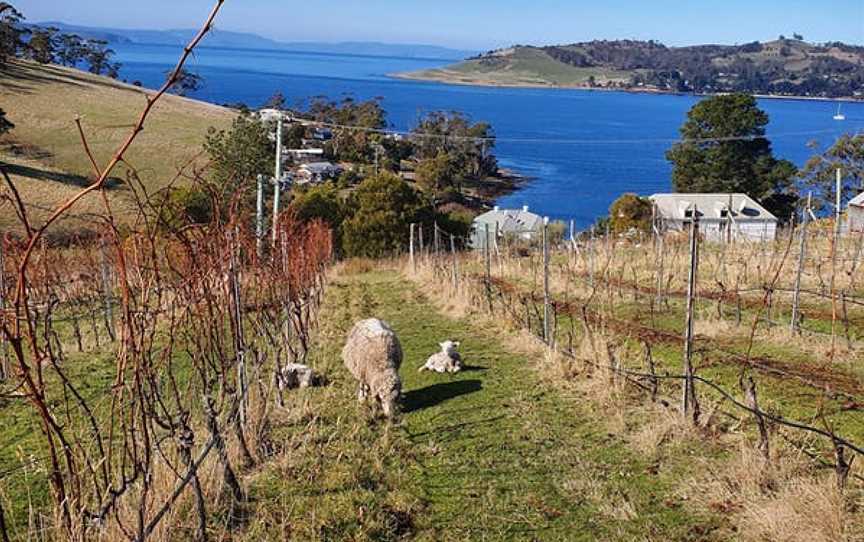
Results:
447 360
294 375
373 355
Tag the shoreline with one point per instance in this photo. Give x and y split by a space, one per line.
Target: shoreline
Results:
484 193
410 76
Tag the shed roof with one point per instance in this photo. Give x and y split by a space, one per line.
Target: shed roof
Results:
710 206
319 167
858 200
511 220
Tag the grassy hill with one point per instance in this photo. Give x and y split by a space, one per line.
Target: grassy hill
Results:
44 152
781 67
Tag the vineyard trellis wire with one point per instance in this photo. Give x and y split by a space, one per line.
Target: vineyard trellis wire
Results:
507 278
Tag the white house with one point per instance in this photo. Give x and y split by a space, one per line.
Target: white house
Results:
519 223
855 214
270 115
721 216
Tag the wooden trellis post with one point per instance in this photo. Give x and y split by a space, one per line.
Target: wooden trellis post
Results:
455 264
4 354
547 332
411 250
689 405
802 251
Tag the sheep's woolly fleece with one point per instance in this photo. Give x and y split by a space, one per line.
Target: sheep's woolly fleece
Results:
373 355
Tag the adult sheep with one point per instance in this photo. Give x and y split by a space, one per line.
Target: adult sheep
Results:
373 355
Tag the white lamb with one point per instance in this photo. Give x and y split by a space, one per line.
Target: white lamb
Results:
373 355
447 360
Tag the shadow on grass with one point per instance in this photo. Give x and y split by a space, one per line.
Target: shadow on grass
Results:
45 175
436 394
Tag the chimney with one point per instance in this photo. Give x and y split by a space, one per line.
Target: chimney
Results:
497 208
524 208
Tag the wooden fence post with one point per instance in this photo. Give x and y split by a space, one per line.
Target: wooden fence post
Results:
802 250
547 332
420 239
411 250
689 405
107 305
488 249
455 264
240 342
749 388
4 354
435 237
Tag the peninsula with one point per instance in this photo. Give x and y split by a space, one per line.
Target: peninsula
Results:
783 67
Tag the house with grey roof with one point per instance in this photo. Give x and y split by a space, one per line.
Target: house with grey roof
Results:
721 216
513 223
317 172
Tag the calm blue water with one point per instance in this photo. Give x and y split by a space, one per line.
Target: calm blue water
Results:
583 148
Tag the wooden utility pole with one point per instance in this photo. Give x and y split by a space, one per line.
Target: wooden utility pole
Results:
547 334
277 195
689 406
802 251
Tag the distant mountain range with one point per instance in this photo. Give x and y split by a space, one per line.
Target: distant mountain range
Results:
783 67
243 40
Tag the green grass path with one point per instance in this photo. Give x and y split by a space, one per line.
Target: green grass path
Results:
492 453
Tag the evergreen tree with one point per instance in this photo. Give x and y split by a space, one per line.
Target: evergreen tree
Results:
382 210
724 149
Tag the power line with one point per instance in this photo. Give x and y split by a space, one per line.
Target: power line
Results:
550 140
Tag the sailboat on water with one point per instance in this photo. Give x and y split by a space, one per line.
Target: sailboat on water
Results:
839 115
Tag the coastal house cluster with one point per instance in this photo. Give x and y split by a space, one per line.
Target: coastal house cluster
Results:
306 164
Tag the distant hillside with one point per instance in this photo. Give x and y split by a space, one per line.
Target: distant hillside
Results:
783 67
43 152
241 40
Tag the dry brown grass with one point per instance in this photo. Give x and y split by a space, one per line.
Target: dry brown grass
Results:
785 499
43 102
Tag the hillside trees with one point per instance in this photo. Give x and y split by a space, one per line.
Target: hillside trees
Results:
10 31
724 149
819 173
42 46
321 203
70 50
382 209
186 82
241 153
452 148
365 118
99 58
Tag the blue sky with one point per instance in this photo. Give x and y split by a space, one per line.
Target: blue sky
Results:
481 24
